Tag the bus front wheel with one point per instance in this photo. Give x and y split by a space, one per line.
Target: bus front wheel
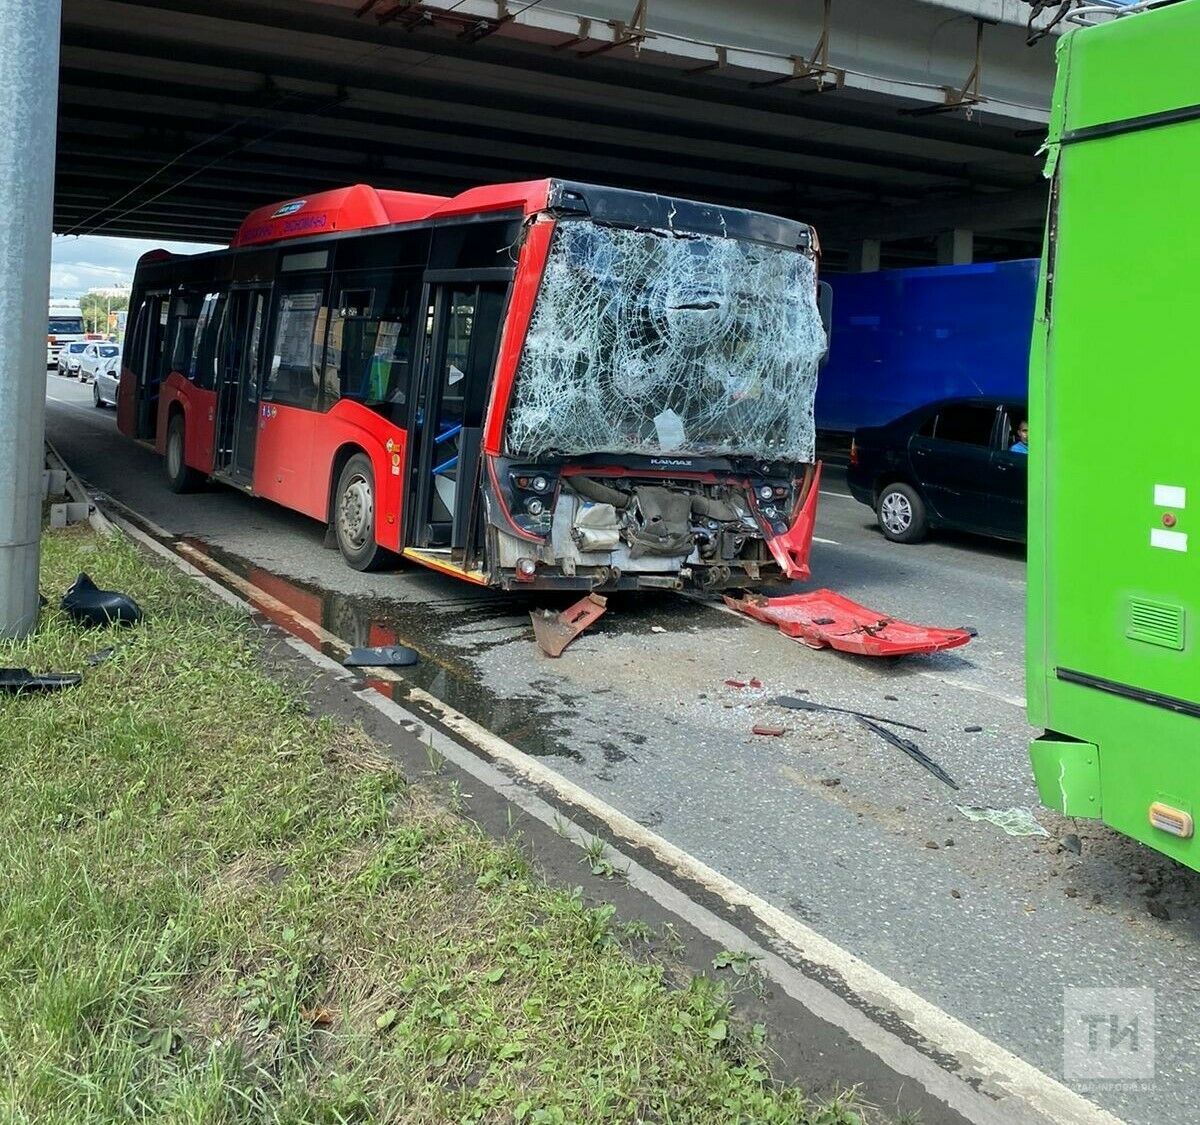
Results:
180 476
354 515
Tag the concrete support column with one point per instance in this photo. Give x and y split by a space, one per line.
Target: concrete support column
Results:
865 255
29 92
956 247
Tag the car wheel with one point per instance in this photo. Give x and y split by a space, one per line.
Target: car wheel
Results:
354 516
96 399
901 513
180 476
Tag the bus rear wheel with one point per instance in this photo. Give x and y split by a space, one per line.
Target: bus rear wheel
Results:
180 476
354 516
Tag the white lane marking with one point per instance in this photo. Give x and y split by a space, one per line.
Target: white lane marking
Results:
955 682
831 542
89 410
840 495
1010 1089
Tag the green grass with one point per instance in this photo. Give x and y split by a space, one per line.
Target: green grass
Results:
214 908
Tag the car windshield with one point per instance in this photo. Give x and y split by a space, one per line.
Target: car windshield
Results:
65 324
75 349
109 352
660 341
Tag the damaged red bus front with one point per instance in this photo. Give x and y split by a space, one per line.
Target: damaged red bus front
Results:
652 422
543 383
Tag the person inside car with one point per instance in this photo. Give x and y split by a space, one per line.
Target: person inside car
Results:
1021 445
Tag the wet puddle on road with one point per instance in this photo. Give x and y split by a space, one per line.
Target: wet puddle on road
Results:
453 631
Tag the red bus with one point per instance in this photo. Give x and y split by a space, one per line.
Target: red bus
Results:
542 384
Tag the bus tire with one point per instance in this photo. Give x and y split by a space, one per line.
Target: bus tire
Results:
181 477
354 515
901 513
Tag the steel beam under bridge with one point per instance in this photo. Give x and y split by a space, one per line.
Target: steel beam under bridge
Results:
177 116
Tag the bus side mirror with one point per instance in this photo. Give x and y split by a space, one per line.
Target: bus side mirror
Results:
825 309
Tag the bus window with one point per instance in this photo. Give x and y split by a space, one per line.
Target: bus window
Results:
369 354
203 367
297 349
184 310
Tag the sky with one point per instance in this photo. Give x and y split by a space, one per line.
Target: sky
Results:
92 261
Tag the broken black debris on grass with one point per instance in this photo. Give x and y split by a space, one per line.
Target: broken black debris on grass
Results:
796 704
85 602
16 680
384 656
911 749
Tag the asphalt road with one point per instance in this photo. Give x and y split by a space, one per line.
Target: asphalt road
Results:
827 822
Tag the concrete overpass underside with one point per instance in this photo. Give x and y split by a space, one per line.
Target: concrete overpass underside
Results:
905 129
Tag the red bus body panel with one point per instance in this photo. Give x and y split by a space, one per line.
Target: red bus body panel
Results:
297 449
531 261
127 401
199 419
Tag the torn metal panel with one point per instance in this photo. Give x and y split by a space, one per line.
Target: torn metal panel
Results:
657 341
825 619
554 631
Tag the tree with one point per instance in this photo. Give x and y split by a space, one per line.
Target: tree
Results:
98 309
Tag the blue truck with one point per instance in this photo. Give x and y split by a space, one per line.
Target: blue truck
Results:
903 338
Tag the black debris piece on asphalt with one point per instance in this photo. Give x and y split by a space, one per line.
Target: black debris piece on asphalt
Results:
970 630
16 680
87 603
1071 843
795 704
911 749
972 730
99 657
384 656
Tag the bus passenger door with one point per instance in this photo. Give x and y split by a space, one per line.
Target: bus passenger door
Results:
239 364
462 332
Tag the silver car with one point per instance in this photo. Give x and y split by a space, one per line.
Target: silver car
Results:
100 366
104 387
69 358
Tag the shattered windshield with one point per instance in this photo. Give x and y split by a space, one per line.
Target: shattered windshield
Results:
651 342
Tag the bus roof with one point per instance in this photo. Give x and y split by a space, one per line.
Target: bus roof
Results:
361 206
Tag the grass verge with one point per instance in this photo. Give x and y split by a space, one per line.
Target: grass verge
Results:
216 908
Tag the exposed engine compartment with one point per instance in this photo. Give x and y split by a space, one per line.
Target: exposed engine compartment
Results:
623 532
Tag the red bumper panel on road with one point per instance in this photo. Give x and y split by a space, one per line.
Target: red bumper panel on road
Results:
824 619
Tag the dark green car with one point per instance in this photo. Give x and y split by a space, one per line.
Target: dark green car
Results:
957 463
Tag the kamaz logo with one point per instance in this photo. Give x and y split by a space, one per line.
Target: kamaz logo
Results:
668 463
289 208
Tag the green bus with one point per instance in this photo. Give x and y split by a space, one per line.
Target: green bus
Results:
1113 661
